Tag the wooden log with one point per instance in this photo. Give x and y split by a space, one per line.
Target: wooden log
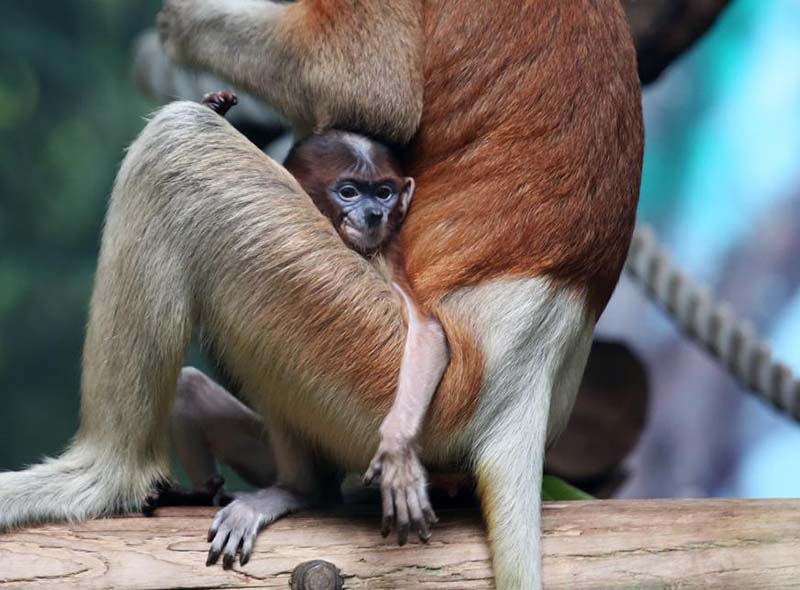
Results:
739 544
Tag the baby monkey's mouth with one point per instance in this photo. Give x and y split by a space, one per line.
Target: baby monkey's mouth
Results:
364 240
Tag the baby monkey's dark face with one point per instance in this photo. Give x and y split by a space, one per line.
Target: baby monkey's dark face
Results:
356 183
370 211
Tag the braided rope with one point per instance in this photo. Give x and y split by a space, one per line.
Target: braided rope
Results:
713 325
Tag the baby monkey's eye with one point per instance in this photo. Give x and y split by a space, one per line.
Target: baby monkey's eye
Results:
384 192
348 192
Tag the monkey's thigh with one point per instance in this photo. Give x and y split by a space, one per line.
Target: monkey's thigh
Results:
311 329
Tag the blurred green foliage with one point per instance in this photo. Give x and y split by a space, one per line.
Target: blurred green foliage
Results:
67 110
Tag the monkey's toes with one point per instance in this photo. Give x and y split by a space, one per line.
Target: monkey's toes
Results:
233 533
235 528
220 102
169 493
162 494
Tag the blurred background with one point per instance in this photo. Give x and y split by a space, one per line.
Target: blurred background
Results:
721 185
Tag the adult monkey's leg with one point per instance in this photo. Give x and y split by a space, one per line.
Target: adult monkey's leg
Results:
355 65
273 288
209 425
203 227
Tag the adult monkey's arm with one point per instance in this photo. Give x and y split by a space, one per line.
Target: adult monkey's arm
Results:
290 55
158 77
662 30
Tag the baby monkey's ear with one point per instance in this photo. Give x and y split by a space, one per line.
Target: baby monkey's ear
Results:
406 193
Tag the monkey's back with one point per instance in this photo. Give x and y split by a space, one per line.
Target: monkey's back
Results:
528 158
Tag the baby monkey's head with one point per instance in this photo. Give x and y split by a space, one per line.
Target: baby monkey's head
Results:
356 182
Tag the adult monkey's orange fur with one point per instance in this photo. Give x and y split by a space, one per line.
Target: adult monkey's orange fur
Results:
544 136
526 146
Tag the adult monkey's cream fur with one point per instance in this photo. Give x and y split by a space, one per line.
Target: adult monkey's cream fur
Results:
526 149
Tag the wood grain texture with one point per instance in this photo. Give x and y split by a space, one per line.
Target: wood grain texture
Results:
687 544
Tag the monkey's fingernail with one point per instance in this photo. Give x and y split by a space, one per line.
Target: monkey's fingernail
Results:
421 526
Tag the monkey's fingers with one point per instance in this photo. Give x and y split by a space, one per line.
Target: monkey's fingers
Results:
425 503
154 499
388 509
401 505
373 471
168 493
226 542
418 521
235 539
220 102
248 543
215 524
219 535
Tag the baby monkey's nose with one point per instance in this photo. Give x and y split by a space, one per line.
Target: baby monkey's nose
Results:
373 217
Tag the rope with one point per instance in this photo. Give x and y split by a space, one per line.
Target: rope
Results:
711 324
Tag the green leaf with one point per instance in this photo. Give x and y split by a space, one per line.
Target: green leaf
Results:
555 489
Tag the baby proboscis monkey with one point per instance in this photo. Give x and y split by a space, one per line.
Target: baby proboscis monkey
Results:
357 183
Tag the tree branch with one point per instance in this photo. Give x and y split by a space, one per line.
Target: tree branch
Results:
689 544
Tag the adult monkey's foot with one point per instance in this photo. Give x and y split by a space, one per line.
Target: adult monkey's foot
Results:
169 493
220 102
235 528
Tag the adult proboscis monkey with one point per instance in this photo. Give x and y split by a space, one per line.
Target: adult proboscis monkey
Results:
523 120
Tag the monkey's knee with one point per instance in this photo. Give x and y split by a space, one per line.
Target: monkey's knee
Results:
190 380
204 407
186 118
191 408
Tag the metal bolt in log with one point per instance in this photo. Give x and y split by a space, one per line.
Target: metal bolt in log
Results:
316 575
